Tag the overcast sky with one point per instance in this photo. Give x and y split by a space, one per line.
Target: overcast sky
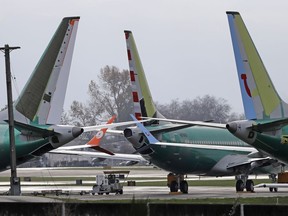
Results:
184 45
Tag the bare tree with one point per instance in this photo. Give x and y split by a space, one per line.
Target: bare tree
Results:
201 108
171 110
65 118
211 108
116 92
84 115
110 95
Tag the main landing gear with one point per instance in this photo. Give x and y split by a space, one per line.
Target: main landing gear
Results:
176 182
244 183
273 177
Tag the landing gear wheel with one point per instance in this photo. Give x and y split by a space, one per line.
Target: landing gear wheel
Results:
239 185
250 186
272 188
184 187
174 186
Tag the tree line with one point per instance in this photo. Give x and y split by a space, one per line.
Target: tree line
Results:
111 94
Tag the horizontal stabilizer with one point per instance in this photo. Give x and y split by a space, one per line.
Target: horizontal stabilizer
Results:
94 144
191 123
33 130
270 126
109 126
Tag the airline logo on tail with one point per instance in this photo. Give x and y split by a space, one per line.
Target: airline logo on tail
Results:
95 141
244 78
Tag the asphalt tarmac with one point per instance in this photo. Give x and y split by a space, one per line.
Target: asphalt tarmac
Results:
130 192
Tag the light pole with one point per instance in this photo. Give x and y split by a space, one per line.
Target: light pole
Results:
14 180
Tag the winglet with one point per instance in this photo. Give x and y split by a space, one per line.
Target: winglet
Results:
95 141
148 135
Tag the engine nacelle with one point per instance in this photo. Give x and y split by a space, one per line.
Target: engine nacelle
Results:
242 129
134 136
64 134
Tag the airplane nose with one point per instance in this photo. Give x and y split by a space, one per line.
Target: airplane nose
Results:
232 127
77 131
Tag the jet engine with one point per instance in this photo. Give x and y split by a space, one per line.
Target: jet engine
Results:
138 140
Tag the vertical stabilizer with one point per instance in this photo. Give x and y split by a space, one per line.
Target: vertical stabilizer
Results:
259 96
142 98
41 101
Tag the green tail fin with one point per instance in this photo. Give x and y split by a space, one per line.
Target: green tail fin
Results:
42 98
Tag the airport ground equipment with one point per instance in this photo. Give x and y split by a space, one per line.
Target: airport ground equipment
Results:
280 182
109 182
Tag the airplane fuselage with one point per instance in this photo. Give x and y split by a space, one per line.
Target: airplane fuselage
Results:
275 146
24 145
198 150
29 144
274 143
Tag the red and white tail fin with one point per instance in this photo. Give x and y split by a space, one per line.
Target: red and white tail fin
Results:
144 105
95 141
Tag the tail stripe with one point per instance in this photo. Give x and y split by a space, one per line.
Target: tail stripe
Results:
135 97
143 101
133 78
129 55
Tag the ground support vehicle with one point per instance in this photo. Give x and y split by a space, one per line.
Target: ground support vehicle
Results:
109 182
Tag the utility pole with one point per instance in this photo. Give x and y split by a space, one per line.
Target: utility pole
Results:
14 180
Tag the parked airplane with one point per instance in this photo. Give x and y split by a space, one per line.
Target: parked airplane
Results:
186 148
37 111
267 114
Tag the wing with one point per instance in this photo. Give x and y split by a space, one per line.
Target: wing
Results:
109 126
190 123
118 156
252 163
270 126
